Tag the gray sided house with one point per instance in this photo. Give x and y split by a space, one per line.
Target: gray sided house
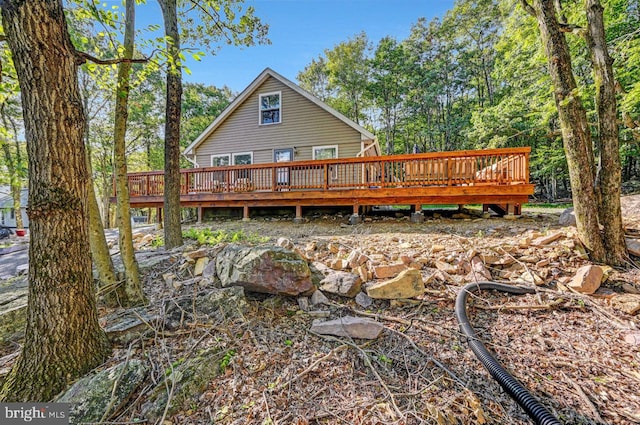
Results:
274 120
7 212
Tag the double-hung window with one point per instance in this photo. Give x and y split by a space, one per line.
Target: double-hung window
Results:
220 160
270 105
325 152
243 158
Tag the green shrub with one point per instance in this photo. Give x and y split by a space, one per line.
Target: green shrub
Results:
206 236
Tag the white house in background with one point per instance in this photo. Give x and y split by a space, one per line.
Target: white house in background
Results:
7 212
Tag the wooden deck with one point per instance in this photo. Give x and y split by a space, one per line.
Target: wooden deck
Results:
498 178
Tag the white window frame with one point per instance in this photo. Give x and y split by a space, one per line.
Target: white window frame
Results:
260 96
313 150
228 156
234 155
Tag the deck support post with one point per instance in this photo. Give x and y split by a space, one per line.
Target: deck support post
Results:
298 219
511 212
200 215
355 218
245 213
417 216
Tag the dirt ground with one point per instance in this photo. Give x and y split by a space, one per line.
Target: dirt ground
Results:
577 354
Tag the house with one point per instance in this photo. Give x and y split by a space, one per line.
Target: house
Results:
276 145
7 212
274 120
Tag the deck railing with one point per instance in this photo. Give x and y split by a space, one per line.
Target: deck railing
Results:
483 167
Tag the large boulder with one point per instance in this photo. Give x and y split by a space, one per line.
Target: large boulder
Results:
266 269
188 380
91 396
567 218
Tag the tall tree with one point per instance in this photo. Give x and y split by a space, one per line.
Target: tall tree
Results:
172 180
132 293
97 239
220 20
587 197
388 86
63 338
609 167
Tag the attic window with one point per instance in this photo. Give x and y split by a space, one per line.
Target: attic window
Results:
270 108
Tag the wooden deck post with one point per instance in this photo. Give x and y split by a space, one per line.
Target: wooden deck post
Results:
245 213
200 215
298 219
159 224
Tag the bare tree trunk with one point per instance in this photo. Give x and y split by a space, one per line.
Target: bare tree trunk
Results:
97 240
610 165
63 339
132 294
172 181
575 128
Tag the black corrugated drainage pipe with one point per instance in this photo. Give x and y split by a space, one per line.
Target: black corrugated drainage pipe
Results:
519 393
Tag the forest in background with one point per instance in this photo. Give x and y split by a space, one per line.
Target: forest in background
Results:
477 78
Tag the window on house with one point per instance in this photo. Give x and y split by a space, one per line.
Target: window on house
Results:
243 158
220 160
325 152
270 108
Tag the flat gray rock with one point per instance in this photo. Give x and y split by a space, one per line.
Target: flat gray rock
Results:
348 326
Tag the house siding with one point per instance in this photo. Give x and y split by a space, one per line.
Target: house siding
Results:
303 125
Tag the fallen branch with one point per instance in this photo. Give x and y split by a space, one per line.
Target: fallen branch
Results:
587 400
549 306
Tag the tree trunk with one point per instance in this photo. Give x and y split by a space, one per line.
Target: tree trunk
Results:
610 166
575 129
132 294
63 339
172 227
97 240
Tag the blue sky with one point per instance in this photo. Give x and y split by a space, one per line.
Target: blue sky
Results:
300 30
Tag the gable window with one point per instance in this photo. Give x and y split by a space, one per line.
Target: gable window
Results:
270 105
325 152
220 160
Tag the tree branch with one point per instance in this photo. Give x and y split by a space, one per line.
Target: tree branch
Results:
528 8
83 57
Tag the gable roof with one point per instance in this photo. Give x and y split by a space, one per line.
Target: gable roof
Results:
246 93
